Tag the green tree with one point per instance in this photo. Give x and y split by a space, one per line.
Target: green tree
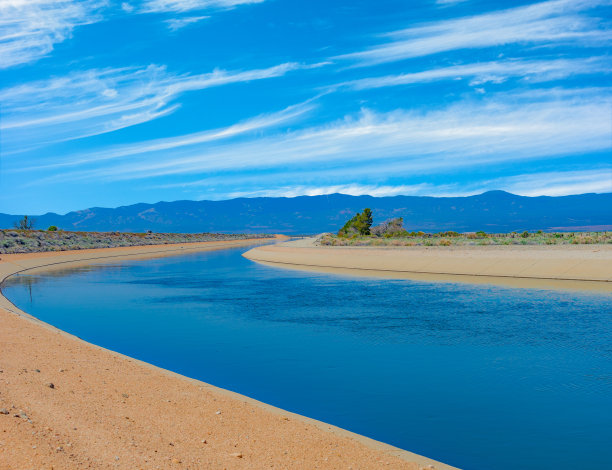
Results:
358 224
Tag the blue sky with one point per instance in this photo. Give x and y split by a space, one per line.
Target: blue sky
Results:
112 103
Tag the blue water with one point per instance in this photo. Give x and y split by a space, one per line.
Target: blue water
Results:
476 376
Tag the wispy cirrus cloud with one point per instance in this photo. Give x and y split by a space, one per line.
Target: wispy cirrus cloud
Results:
352 189
127 7
29 29
548 24
174 24
98 101
180 6
470 134
255 124
533 71
557 183
449 2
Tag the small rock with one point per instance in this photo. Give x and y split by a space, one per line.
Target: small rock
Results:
125 395
176 461
204 441
50 385
59 449
61 370
238 455
36 370
4 411
116 457
218 412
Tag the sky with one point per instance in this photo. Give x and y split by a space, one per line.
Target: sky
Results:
112 103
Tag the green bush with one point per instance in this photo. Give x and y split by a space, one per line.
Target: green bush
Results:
358 225
52 228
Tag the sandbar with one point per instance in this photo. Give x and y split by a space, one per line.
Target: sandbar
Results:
71 404
574 267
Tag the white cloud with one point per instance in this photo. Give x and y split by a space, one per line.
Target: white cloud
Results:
449 2
174 24
558 183
29 29
127 7
496 72
99 101
352 189
256 124
159 6
469 134
547 23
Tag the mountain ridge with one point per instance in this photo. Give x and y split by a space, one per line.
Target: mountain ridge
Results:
493 211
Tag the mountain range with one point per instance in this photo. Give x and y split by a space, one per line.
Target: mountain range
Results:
493 211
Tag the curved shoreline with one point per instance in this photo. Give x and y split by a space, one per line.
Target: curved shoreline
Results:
29 344
585 267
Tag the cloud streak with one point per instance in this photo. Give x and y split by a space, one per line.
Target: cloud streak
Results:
510 128
532 71
29 29
558 183
550 23
256 124
174 24
97 101
180 6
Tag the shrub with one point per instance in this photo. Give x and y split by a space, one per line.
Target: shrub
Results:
525 234
390 228
26 223
52 228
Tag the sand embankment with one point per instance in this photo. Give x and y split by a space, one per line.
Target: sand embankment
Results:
106 410
587 267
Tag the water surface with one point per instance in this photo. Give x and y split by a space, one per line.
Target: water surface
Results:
476 376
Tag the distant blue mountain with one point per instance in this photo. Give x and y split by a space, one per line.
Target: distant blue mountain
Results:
494 211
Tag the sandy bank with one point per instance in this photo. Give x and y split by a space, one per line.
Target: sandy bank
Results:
579 267
106 410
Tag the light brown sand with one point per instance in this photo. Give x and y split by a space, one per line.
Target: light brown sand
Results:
106 410
559 267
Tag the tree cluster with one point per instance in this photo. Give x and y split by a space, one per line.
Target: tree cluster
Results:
358 225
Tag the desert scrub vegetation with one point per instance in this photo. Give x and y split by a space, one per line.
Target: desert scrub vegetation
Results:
359 232
471 239
29 241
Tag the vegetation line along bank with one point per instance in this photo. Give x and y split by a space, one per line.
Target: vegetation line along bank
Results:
358 231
